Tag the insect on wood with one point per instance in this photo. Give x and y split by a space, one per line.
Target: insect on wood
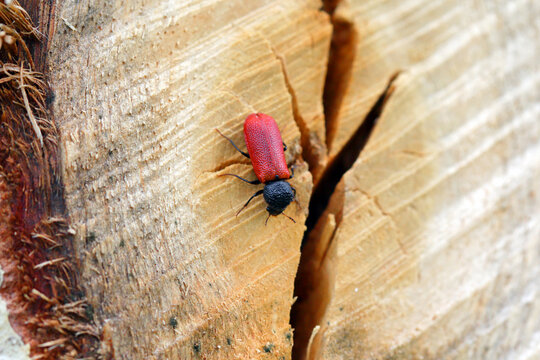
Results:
266 150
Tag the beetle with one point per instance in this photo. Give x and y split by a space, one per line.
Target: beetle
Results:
266 150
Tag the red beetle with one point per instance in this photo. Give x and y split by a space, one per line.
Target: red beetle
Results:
266 150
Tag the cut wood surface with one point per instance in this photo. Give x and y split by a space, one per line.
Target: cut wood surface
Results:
436 250
140 88
429 242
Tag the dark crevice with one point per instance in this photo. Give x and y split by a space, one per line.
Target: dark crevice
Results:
340 67
315 279
330 6
308 153
225 164
344 160
313 288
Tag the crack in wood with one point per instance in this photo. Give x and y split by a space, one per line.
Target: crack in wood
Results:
345 159
307 151
309 312
340 66
375 200
225 164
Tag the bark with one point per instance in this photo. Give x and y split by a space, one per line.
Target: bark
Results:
413 127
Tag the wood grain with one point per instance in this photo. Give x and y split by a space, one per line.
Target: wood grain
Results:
140 88
438 236
431 243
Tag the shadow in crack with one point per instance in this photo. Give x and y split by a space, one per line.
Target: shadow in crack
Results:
344 160
314 282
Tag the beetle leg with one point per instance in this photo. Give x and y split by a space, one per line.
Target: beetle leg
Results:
292 172
233 144
254 182
284 146
246 204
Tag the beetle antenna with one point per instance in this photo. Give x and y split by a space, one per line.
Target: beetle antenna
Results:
289 217
266 222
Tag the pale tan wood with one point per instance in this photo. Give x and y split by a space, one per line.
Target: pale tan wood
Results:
430 244
140 87
438 222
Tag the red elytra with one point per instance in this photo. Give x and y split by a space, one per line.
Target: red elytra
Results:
267 153
265 148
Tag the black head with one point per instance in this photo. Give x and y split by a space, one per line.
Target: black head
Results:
278 195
